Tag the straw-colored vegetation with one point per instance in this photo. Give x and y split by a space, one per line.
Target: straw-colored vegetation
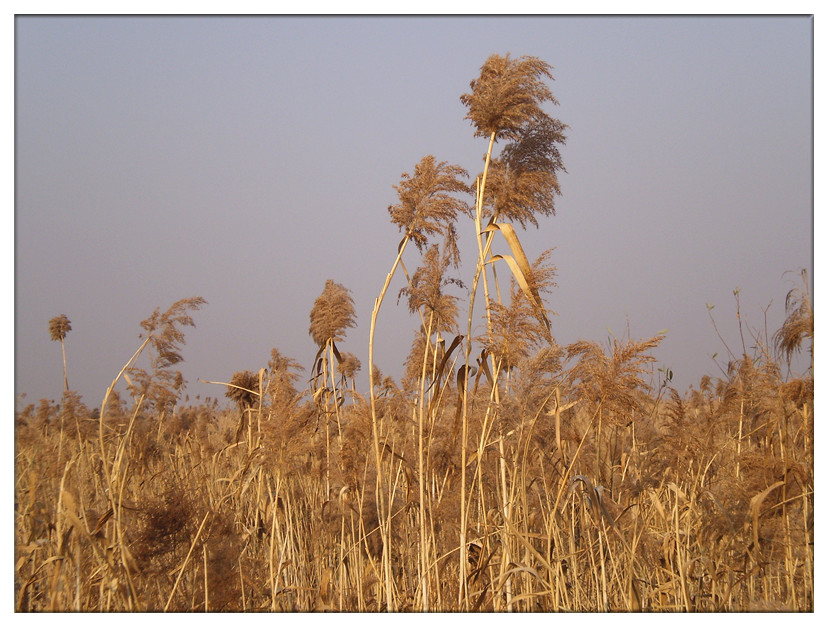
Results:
503 472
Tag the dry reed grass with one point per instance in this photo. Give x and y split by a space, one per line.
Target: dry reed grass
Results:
673 512
507 473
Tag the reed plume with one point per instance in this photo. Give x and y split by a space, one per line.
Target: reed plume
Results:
425 292
59 326
508 95
243 389
517 329
333 312
614 380
282 381
427 202
163 333
523 181
799 324
614 387
165 330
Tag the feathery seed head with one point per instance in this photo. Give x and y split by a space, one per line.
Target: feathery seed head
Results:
427 205
799 324
523 182
508 95
350 365
59 326
243 388
426 291
332 313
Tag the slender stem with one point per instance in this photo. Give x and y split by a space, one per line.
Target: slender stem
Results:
484 251
104 465
462 592
478 227
422 472
184 564
65 377
507 515
375 430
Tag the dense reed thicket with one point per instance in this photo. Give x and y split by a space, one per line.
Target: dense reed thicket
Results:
503 472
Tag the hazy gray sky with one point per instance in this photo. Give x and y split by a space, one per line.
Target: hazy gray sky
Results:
247 160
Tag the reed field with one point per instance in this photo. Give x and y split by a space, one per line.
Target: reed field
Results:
501 472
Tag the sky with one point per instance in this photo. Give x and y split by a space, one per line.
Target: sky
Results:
248 159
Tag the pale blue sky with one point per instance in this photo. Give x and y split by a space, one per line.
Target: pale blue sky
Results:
247 160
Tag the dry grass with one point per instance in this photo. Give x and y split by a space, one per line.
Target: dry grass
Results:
506 473
668 508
